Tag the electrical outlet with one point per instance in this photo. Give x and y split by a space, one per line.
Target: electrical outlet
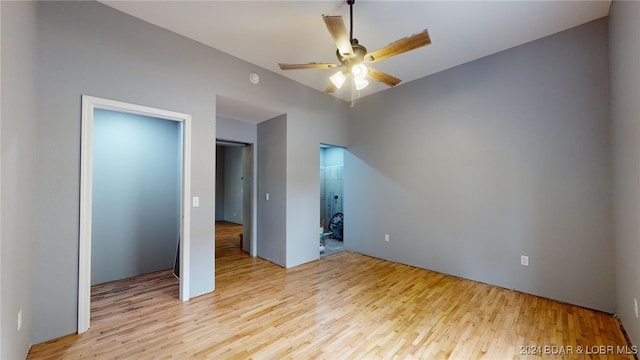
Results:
20 320
635 306
386 237
524 260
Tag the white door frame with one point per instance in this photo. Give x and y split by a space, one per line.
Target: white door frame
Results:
251 202
89 104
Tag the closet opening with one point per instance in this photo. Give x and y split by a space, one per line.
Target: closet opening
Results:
134 196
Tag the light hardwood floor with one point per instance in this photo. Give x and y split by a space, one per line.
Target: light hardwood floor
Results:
344 306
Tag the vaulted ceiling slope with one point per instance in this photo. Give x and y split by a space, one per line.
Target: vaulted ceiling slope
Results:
266 33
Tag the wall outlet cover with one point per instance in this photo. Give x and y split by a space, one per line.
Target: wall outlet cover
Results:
524 260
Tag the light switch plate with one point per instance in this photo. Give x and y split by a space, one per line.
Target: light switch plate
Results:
196 201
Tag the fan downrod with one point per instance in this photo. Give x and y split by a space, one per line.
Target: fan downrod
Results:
351 2
359 51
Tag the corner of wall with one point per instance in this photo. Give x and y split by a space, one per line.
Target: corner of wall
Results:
624 57
18 132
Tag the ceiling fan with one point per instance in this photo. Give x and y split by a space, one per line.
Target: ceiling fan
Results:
353 57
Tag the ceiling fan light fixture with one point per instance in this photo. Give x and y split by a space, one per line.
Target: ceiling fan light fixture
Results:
360 83
360 71
354 58
338 79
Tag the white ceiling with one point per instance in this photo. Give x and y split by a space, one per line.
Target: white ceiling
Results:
266 33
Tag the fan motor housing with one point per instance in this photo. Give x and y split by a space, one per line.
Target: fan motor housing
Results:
359 53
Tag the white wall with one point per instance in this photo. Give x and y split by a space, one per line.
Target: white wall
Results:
18 141
505 156
88 48
624 51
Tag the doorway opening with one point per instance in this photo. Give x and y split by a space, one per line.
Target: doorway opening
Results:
118 117
331 199
234 194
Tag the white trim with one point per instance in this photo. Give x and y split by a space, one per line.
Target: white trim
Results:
84 256
1 155
89 104
185 239
254 202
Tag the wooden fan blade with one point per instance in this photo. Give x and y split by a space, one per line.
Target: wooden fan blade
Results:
338 31
382 77
307 66
331 88
399 47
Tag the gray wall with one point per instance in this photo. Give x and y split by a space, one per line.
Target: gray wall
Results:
624 51
272 170
17 180
303 177
136 195
505 156
18 141
233 184
230 183
89 48
236 130
220 166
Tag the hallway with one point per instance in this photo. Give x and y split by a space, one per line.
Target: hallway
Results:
228 239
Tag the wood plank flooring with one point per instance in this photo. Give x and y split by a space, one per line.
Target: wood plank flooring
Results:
228 237
344 306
